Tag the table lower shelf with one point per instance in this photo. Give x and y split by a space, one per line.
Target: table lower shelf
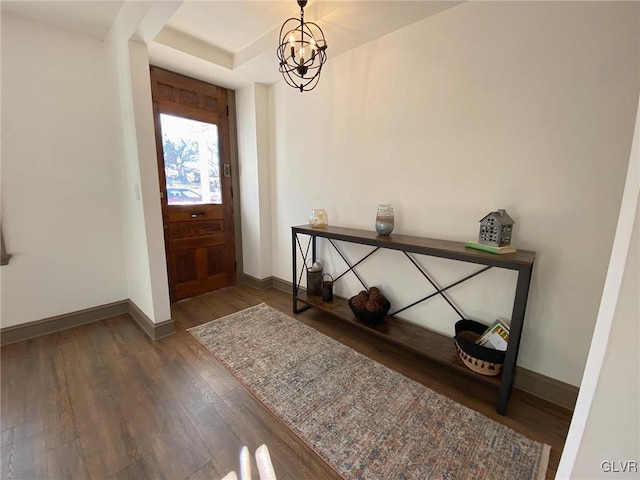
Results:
429 344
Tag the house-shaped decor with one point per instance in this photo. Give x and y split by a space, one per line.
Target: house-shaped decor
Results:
496 229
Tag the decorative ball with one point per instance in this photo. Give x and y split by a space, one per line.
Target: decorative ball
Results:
373 306
360 302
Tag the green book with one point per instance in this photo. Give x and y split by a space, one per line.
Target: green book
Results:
496 336
490 248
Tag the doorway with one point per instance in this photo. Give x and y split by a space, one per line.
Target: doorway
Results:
194 165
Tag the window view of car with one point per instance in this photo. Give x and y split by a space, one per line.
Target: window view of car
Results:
182 195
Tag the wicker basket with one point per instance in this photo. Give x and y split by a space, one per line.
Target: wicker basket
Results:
370 318
483 360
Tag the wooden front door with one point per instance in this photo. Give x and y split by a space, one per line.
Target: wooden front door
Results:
192 139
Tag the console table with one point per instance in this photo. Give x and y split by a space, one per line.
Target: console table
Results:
432 345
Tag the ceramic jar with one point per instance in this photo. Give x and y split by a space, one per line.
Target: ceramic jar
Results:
318 218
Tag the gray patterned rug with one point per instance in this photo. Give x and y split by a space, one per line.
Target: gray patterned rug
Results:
364 419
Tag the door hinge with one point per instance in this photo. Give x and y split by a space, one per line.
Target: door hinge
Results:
235 266
227 110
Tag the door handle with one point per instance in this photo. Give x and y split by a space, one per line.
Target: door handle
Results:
197 214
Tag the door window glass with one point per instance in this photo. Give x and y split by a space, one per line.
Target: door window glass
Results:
191 161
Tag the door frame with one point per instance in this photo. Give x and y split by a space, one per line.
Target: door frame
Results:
235 182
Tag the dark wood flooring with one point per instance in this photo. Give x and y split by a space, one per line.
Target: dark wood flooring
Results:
103 401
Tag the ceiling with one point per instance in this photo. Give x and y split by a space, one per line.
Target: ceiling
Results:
89 18
233 43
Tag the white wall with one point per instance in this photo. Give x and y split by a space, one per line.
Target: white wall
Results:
147 164
146 270
254 150
612 431
263 135
604 437
523 106
60 194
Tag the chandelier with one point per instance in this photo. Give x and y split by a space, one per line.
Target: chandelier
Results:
302 51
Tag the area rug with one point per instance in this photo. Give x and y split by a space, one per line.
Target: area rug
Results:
364 419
